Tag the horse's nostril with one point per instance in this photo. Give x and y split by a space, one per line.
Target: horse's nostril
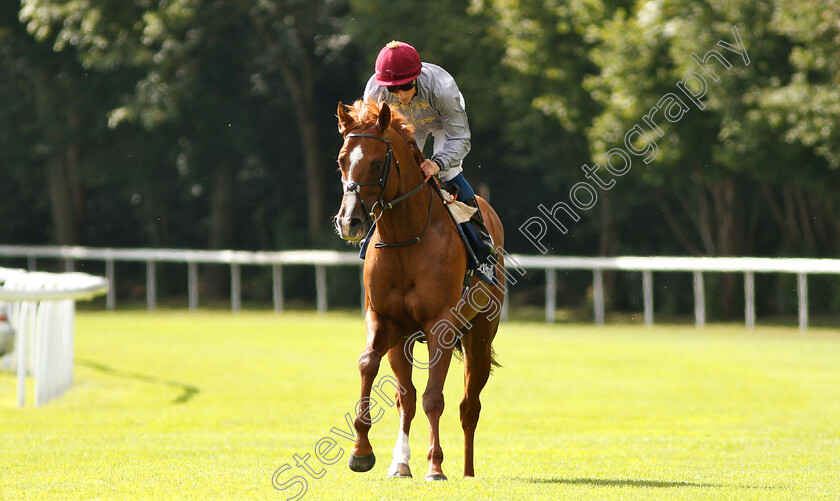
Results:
355 223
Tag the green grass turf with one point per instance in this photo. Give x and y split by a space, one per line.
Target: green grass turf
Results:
172 405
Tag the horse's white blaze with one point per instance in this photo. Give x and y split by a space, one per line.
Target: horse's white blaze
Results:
402 452
355 156
350 199
349 204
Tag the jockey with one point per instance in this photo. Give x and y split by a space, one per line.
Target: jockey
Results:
430 100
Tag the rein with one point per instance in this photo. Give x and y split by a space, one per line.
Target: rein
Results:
383 183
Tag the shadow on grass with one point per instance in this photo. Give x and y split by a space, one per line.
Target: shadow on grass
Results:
603 482
188 391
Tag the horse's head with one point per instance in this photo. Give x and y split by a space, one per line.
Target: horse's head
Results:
365 164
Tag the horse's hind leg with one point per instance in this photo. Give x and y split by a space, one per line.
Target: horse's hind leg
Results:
477 365
406 397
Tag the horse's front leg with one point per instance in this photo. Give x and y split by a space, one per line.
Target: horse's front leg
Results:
381 336
440 354
406 397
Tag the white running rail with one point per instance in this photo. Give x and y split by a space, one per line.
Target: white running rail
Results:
550 265
42 311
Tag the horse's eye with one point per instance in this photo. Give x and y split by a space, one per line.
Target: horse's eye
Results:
376 165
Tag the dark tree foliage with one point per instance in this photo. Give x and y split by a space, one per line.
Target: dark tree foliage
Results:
210 123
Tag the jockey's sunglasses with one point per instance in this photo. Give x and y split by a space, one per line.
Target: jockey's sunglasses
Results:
393 89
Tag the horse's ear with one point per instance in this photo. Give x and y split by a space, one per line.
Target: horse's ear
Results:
384 119
415 151
345 121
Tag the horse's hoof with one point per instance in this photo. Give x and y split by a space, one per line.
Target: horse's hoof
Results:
399 470
362 463
433 478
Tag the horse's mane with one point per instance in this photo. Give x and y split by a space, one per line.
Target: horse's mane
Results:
366 113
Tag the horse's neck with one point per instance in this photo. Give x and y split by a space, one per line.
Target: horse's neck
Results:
408 218
409 174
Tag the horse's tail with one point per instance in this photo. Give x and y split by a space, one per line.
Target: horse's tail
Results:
459 354
493 361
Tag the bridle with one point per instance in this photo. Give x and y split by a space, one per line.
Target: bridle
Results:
383 183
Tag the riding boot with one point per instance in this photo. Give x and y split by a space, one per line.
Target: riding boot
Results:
477 221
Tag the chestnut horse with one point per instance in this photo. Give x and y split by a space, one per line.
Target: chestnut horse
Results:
414 283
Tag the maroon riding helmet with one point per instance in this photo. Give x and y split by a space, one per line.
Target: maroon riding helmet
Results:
397 63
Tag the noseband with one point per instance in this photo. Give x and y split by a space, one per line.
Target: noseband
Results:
383 183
